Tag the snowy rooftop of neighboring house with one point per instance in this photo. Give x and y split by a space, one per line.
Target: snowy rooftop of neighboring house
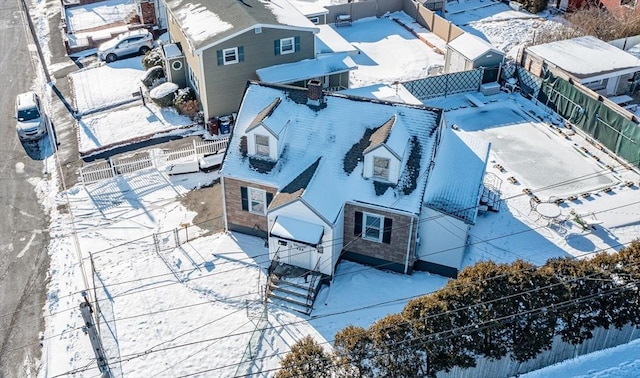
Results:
212 21
307 69
309 9
472 46
331 133
455 183
99 14
586 56
329 41
384 92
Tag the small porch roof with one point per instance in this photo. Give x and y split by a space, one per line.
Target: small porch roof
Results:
307 69
294 229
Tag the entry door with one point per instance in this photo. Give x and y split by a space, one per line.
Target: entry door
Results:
301 255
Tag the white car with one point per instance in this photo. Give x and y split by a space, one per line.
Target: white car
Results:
31 120
133 42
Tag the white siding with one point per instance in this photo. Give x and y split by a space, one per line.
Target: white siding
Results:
298 210
251 142
383 152
442 238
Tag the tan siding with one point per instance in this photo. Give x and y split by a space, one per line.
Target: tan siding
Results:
226 84
233 203
178 37
395 252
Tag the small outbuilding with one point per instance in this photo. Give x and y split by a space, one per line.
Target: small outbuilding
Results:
602 67
467 52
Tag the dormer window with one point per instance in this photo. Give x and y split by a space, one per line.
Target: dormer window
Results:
262 145
381 168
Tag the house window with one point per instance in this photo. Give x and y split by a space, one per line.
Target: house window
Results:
315 20
255 200
193 79
373 227
381 167
230 56
286 45
262 145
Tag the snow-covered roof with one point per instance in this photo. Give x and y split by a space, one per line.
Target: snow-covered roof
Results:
307 69
331 132
295 229
329 41
471 46
586 56
384 92
456 181
209 22
171 50
309 9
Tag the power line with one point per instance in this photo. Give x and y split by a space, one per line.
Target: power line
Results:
474 326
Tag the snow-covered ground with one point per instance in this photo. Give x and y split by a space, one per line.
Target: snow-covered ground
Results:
380 42
496 22
192 310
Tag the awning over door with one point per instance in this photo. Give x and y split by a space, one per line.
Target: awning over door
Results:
297 230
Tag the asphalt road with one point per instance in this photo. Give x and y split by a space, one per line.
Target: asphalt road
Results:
24 260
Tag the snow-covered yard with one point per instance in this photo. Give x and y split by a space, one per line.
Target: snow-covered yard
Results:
505 28
380 43
192 309
96 15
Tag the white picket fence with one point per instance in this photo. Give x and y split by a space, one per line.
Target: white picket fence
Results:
155 159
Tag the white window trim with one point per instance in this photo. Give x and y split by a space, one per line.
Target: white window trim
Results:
193 79
293 46
257 145
263 200
364 227
315 19
235 54
373 171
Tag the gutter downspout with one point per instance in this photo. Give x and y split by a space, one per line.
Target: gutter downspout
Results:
224 205
406 260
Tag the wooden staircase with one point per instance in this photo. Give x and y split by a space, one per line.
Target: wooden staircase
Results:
294 288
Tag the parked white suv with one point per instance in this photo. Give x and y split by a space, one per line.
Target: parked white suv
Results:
31 120
129 43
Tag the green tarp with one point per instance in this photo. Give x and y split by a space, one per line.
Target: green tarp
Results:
611 129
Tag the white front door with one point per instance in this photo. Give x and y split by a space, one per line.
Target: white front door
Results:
301 255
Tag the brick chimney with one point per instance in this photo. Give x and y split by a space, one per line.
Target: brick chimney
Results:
314 92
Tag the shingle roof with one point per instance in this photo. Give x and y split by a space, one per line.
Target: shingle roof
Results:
295 188
263 114
329 133
456 180
209 21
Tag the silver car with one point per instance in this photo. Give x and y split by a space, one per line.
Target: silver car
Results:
133 42
31 120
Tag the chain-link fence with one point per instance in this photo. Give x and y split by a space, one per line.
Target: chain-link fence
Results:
447 84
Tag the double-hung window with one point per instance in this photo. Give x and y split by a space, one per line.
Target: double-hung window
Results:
262 145
381 168
372 227
230 55
255 200
287 46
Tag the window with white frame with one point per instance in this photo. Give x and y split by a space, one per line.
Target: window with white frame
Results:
262 145
381 167
192 79
257 201
372 227
230 56
315 19
287 46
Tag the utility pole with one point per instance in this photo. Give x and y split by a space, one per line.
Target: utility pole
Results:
90 329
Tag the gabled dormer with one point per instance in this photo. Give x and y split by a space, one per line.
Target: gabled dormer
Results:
386 152
265 134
